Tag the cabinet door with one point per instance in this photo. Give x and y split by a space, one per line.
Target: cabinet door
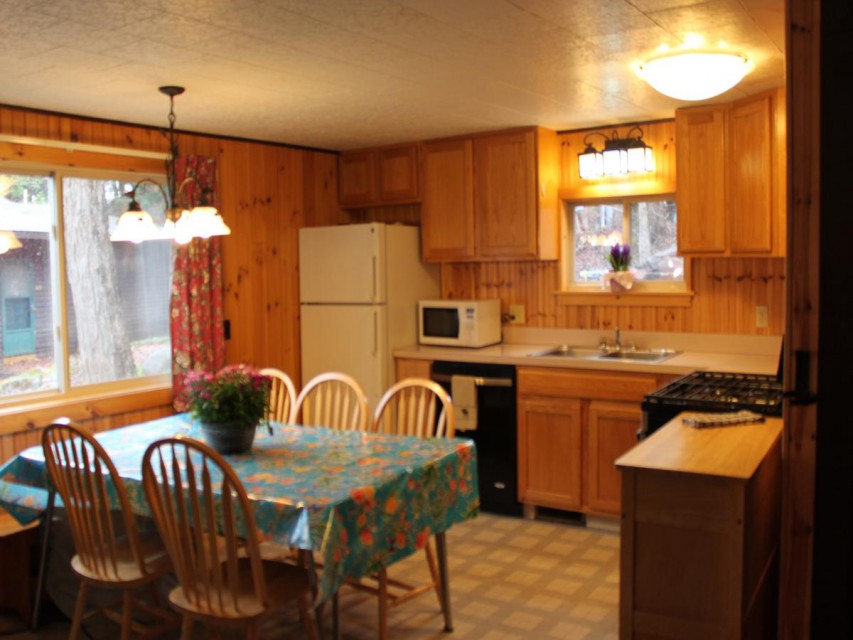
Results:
611 430
549 452
750 177
447 211
701 178
506 195
398 174
409 368
357 179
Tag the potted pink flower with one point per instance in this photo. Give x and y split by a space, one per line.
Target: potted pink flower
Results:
229 405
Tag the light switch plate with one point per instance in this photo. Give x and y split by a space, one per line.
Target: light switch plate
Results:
516 314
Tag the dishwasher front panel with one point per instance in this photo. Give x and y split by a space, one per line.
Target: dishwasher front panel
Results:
496 436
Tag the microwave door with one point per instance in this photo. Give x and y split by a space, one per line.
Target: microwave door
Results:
441 324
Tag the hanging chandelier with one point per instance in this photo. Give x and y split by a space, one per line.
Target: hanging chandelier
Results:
182 224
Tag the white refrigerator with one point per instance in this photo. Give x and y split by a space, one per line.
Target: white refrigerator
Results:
359 286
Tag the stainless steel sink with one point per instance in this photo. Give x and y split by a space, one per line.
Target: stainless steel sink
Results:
643 355
567 351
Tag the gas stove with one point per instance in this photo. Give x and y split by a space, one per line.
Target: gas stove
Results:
711 391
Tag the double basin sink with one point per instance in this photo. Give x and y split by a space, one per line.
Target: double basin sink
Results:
592 353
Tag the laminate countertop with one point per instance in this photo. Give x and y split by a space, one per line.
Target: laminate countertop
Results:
686 361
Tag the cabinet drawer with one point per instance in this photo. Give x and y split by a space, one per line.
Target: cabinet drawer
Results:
593 385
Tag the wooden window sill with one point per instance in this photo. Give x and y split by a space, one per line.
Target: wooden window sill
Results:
38 412
631 298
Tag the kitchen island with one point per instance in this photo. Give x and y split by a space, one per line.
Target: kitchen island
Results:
700 532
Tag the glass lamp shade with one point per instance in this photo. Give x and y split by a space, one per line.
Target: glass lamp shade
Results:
590 164
182 232
205 222
136 227
615 162
694 74
9 241
640 159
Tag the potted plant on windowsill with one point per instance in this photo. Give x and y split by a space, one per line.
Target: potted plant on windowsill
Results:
619 279
229 405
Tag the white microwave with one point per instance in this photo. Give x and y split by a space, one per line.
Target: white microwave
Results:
459 323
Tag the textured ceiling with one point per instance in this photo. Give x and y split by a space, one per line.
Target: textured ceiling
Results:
342 74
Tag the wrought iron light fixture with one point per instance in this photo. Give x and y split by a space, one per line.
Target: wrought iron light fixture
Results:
181 225
620 156
693 71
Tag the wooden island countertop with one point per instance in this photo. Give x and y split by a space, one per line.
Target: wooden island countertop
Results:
730 452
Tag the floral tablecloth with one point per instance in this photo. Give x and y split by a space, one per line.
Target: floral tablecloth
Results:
360 501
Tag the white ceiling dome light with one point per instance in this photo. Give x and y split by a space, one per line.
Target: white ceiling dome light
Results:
693 71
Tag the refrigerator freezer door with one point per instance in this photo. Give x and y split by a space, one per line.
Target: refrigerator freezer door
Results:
343 264
349 339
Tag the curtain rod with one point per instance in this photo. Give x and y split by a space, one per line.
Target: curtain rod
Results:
79 146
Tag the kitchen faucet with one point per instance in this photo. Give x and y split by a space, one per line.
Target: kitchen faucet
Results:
616 346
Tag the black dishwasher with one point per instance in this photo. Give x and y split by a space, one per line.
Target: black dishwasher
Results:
495 436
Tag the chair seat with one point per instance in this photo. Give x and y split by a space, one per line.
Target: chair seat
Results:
154 557
285 582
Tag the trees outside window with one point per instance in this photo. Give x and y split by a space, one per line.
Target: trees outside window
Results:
75 308
648 225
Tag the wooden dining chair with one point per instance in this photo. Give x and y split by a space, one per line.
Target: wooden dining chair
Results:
333 400
412 407
111 553
205 518
282 395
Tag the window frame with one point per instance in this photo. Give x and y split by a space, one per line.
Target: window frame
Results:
64 391
643 292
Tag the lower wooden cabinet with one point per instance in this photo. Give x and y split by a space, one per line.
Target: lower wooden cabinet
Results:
549 446
611 430
572 425
411 368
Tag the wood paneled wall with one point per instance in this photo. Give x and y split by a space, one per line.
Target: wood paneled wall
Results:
266 193
12 442
727 291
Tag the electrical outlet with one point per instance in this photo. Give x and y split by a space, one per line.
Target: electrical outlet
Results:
761 320
516 314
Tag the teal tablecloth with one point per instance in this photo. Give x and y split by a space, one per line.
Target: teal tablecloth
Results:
360 501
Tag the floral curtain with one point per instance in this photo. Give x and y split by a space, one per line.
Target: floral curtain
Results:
196 310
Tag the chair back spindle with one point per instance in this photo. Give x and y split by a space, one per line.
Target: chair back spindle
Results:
416 407
282 395
332 400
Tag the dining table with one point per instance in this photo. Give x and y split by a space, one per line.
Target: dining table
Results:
357 501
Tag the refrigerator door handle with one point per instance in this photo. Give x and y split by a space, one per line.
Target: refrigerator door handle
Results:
375 332
374 279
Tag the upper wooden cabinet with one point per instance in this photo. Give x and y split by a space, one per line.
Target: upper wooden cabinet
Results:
447 212
731 178
491 197
375 177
